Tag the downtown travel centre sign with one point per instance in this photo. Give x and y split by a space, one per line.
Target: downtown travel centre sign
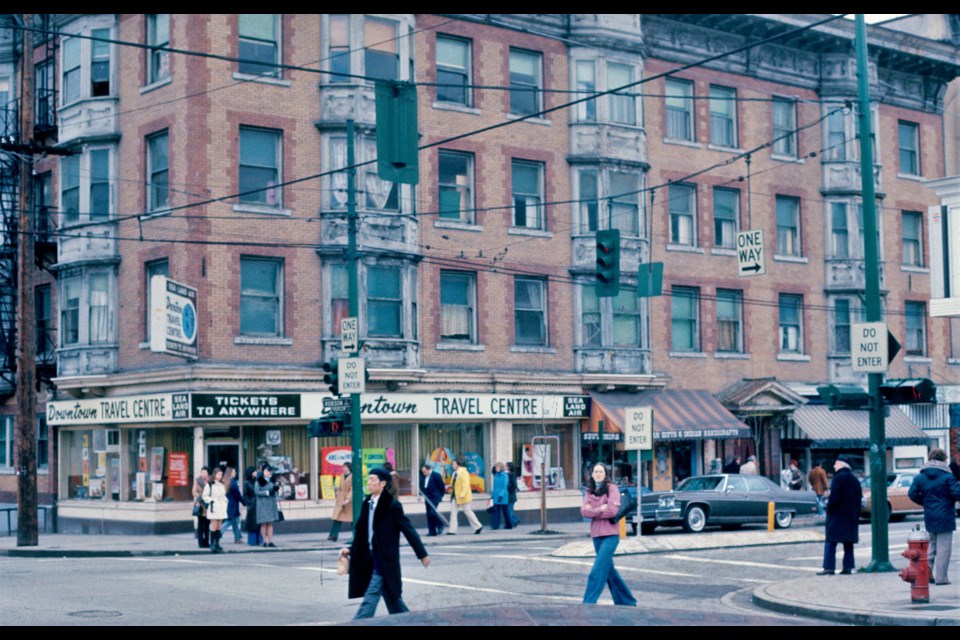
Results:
179 407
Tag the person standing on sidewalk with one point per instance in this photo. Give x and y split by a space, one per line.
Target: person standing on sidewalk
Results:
215 497
818 484
601 502
375 550
512 493
500 498
796 477
343 509
937 490
234 500
267 510
250 498
461 498
203 525
843 517
432 489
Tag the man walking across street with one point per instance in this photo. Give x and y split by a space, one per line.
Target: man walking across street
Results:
432 489
818 483
796 478
375 550
461 498
843 517
937 490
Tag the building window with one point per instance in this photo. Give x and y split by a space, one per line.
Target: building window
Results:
530 311
70 85
528 194
260 166
679 109
70 311
839 230
384 302
723 117
155 268
7 438
457 306
791 323
86 192
785 127
591 318
453 70
625 203
259 44
685 319
98 303
683 213
339 295
46 94
726 217
381 49
44 323
99 184
100 63
377 194
589 202
70 189
525 82
623 108
158 35
158 167
729 321
788 226
261 296
913 238
43 443
916 317
841 326
909 137
626 319
836 133
586 86
456 186
954 338
339 56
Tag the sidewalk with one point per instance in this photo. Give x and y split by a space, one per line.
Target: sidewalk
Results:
870 599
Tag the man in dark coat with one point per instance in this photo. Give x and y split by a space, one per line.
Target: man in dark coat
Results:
733 466
937 490
375 551
433 490
843 517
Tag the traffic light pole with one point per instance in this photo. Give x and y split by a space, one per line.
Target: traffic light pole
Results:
356 433
878 445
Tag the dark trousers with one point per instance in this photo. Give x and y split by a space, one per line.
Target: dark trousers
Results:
203 532
434 523
830 556
501 512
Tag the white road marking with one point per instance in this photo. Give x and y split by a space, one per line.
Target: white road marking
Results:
740 563
579 563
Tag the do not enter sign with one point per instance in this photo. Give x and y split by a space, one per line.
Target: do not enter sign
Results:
868 347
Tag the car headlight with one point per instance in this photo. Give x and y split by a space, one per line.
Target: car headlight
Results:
667 502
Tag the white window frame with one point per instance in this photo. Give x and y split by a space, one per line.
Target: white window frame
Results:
158 62
83 312
727 100
795 236
153 171
784 134
268 193
736 298
356 47
915 343
277 296
693 294
914 130
399 303
152 268
536 87
8 444
720 224
539 209
459 313
82 71
629 117
620 202
462 186
85 165
790 342
372 190
916 242
840 331
276 42
544 320
588 203
587 111
677 215
679 89
466 71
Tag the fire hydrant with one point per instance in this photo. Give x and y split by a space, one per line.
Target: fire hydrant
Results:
918 573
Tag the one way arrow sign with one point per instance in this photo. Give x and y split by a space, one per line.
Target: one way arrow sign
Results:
750 253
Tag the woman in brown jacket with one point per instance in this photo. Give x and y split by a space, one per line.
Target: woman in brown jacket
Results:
343 507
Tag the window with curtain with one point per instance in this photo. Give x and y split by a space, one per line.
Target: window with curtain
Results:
98 291
682 207
916 321
384 302
70 311
685 318
625 203
723 116
100 63
261 291
836 133
99 184
153 268
623 107
260 166
784 127
788 226
841 326
455 183
679 103
530 311
527 194
259 44
588 201
729 321
912 238
909 144
591 326
339 295
726 217
791 323
158 171
457 303
158 35
626 319
339 53
70 85
70 189
381 49
839 231
453 70
525 82
586 71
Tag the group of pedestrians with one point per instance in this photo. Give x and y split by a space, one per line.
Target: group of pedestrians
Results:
218 496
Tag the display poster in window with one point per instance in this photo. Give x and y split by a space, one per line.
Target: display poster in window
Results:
141 487
372 458
157 491
96 488
115 477
332 459
300 492
474 464
156 464
327 489
442 460
177 475
141 450
101 469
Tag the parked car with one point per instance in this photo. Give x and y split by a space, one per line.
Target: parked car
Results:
899 506
729 500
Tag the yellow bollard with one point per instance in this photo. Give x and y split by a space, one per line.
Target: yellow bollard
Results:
623 528
770 509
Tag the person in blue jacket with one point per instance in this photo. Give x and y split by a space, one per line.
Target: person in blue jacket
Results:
936 488
501 499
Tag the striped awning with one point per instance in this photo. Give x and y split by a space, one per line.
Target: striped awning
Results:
677 414
826 429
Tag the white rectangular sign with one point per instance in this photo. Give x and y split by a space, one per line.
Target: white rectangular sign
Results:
349 330
868 347
750 258
352 375
639 428
173 318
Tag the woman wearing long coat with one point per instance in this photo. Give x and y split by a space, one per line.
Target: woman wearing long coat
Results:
267 510
843 517
343 509
250 499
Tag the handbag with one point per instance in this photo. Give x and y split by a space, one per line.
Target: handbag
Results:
489 505
280 517
627 504
343 563
197 510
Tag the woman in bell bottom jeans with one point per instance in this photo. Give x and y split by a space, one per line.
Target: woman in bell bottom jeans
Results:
601 503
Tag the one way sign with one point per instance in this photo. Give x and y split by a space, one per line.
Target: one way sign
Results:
750 253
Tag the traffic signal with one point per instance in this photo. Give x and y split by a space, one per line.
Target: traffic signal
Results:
332 377
908 391
397 132
322 428
608 263
843 396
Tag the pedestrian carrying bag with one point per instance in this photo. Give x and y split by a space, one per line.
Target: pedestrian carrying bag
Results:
197 510
280 517
343 563
627 504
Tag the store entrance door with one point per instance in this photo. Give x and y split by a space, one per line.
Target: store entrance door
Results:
223 454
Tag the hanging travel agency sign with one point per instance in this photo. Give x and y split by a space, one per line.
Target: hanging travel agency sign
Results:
173 318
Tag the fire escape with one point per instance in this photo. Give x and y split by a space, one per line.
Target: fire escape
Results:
12 146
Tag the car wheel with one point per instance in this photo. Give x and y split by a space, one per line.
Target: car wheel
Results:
694 520
647 529
783 519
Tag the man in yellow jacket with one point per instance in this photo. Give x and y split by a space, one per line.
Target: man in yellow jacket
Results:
461 498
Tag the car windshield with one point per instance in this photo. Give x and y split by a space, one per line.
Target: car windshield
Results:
702 483
865 481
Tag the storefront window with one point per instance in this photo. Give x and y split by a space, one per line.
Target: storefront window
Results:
561 450
91 469
440 443
158 456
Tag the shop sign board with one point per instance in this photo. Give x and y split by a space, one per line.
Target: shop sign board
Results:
336 405
214 406
99 411
639 428
173 318
454 406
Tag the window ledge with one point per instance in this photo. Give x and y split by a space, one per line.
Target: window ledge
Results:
264 209
722 251
523 231
918 359
144 345
281 342
794 159
913 269
794 259
793 357
454 346
953 360
455 106
683 143
460 226
911 176
517 349
686 354
156 85
155 214
730 355
541 121
717 147
247 77
684 248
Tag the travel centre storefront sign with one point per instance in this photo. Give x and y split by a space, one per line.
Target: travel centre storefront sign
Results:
173 407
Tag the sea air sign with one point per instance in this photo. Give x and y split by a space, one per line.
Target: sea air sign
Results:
150 408
173 318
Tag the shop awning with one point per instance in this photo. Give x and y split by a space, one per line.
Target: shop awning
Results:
677 415
845 429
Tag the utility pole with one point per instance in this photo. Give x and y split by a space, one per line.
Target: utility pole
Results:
356 433
27 526
878 446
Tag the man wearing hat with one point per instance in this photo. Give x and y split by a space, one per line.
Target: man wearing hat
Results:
375 550
843 517
937 490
